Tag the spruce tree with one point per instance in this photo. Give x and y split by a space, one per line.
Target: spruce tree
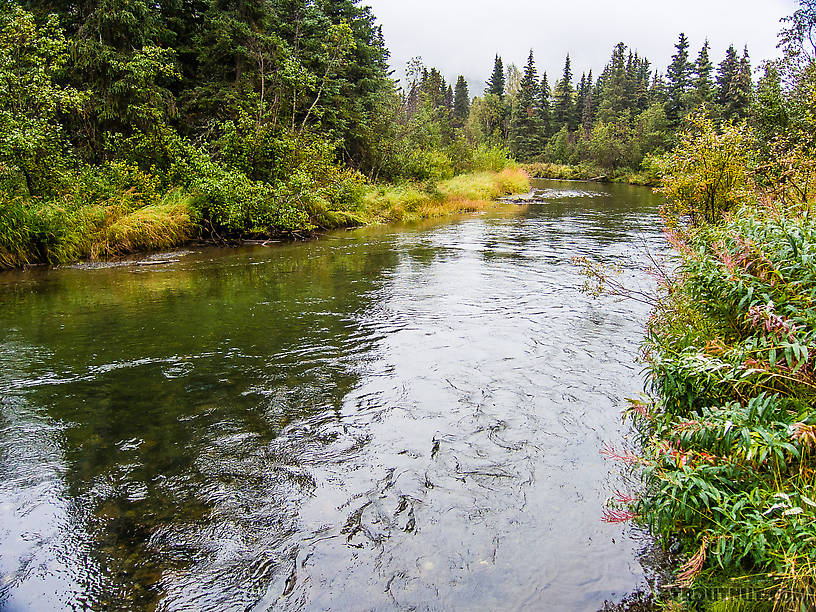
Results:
644 74
702 84
735 85
769 111
461 102
526 129
657 90
743 88
726 75
496 83
612 93
545 104
588 108
678 75
631 81
580 98
563 99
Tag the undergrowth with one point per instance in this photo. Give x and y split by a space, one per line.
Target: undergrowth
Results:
729 432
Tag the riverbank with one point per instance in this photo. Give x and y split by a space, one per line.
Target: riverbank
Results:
587 172
729 429
141 220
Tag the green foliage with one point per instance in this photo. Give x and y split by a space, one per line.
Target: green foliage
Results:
496 84
487 121
729 441
560 148
702 92
527 127
707 174
609 144
679 79
770 117
563 100
729 433
234 206
33 144
734 85
461 102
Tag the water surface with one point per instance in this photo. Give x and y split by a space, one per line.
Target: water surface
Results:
385 418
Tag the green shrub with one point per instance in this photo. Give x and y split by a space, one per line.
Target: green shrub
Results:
708 172
487 157
231 205
729 439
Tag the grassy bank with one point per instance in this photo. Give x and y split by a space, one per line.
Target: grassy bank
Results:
464 193
588 172
86 224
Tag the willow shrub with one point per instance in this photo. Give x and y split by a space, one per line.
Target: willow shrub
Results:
708 172
728 441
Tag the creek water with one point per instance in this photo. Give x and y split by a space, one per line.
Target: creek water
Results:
384 418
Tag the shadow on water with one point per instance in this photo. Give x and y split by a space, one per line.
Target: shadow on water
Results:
385 418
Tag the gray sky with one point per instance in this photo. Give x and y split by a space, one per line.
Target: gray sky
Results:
463 36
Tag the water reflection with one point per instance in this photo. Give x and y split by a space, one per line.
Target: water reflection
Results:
385 418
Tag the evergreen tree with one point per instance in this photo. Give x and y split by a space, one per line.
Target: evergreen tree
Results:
612 94
631 81
449 98
526 128
545 104
580 99
461 102
735 85
743 87
563 111
657 90
702 84
642 91
770 116
678 75
496 83
726 76
588 108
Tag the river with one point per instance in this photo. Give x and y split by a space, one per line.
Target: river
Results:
384 418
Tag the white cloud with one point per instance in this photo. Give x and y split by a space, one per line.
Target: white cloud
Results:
462 36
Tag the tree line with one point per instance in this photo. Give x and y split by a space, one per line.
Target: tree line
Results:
615 120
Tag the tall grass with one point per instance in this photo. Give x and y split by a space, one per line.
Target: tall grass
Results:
62 230
464 193
165 225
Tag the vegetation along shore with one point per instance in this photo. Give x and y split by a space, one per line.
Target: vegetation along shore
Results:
157 125
728 425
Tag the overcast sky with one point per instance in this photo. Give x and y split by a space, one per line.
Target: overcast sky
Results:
463 36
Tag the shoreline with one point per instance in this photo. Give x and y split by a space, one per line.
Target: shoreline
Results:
569 172
381 204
